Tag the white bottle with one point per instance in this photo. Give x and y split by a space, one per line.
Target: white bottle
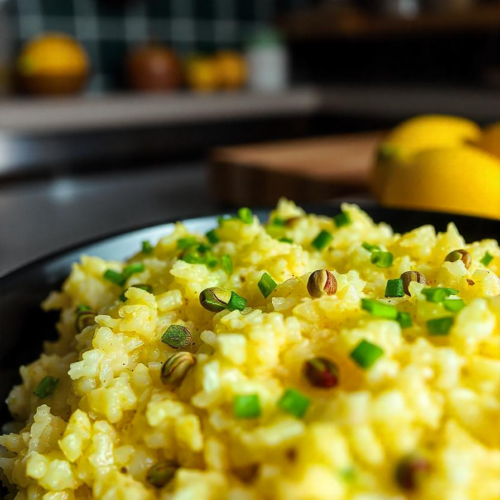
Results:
268 62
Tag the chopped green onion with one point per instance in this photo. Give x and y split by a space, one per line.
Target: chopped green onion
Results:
146 247
438 294
137 267
213 237
453 305
115 277
227 264
370 247
193 256
278 221
294 402
211 261
342 219
321 241
183 243
404 319
379 309
46 387
286 240
266 285
394 288
486 260
382 259
246 406
236 303
245 215
82 308
177 337
440 326
365 354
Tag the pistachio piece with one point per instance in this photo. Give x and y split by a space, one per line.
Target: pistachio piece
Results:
321 373
84 319
177 337
321 283
161 473
462 255
410 276
409 470
215 299
176 367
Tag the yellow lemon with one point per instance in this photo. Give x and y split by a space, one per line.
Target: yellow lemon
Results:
416 135
202 74
461 179
490 140
53 63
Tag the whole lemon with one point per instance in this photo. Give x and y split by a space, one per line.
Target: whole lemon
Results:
460 179
419 134
52 64
202 74
490 140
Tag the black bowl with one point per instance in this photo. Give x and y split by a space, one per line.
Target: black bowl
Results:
24 326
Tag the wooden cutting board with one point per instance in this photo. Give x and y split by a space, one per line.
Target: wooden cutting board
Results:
304 170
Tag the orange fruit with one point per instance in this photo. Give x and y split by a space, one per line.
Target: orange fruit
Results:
232 70
53 63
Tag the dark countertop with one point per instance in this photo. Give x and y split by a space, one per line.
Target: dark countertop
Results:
43 216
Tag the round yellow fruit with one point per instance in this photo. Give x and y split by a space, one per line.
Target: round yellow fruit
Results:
53 63
232 70
462 180
202 74
490 140
420 134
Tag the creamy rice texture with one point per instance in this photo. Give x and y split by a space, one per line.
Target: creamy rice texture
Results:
421 421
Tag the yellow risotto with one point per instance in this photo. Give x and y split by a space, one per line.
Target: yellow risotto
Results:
306 358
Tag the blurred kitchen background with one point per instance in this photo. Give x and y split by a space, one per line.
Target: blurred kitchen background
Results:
121 113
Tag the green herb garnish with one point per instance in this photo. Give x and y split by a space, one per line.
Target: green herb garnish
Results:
453 305
486 259
438 294
146 247
294 402
440 326
321 241
404 319
236 303
46 387
266 285
246 406
342 219
379 309
366 354
382 259
213 237
394 288
115 277
245 215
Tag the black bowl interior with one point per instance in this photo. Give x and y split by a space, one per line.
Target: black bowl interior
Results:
24 326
